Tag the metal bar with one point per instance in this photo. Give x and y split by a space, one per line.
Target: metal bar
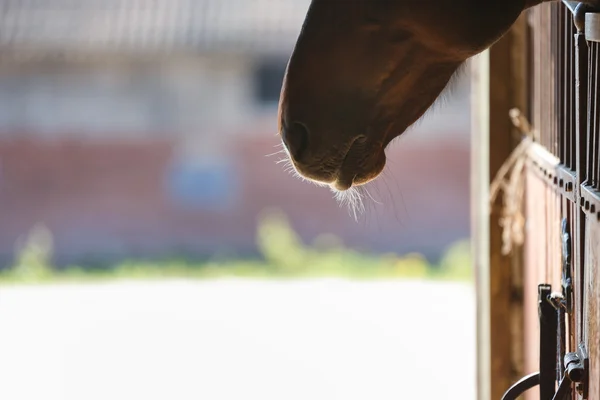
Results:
590 177
590 199
561 336
561 100
571 5
521 386
548 342
570 81
592 26
564 390
581 109
546 166
553 83
593 133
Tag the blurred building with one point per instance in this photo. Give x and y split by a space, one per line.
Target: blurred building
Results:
141 128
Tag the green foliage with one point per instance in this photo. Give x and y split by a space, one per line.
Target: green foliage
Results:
279 244
457 262
283 255
34 255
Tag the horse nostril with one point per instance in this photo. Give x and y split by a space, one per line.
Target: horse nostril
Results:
296 139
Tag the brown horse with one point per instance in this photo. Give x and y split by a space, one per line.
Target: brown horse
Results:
363 71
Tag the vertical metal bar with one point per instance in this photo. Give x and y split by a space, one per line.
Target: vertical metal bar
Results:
554 60
548 343
590 111
549 77
573 212
581 108
544 128
537 76
560 334
561 101
594 130
564 95
591 177
592 123
571 79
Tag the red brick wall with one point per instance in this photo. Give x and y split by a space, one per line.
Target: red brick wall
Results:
110 200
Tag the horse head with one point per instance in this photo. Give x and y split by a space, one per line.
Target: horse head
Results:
363 71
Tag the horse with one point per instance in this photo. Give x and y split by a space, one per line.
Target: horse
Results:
363 71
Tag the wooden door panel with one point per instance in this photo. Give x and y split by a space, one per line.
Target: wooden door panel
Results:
592 305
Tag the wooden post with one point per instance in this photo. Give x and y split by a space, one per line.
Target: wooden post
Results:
499 84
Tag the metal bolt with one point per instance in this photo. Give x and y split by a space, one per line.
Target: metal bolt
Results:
579 16
574 368
576 373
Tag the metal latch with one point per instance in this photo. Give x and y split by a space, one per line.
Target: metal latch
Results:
566 280
556 367
576 371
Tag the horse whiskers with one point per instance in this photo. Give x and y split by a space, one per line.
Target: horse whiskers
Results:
386 177
371 197
274 154
353 199
288 167
285 160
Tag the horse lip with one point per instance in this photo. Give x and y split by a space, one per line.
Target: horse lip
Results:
343 176
344 184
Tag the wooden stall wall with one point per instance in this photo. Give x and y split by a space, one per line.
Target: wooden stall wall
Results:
498 275
563 184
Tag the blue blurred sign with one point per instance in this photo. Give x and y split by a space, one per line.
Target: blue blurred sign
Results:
211 186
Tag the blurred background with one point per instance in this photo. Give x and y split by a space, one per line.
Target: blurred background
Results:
152 247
